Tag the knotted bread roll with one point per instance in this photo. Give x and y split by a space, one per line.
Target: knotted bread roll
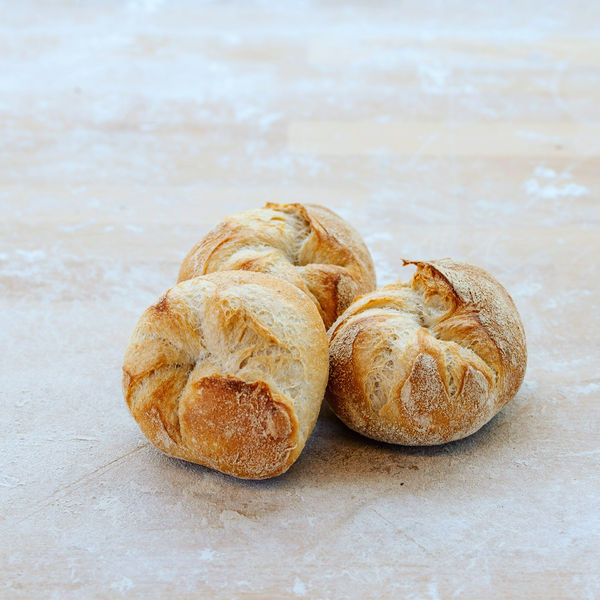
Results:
309 246
229 371
430 361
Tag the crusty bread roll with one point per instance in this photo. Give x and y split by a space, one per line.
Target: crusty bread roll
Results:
430 361
309 246
229 371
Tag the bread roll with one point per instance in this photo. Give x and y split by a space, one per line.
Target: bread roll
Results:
228 371
430 361
309 246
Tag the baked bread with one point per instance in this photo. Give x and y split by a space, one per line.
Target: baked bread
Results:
430 361
228 371
309 246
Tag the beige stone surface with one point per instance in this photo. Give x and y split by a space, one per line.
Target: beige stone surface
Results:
127 129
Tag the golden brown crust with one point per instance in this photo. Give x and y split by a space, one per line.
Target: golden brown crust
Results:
306 245
260 432
229 371
427 362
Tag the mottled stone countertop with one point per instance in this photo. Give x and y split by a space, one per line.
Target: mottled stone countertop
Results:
128 129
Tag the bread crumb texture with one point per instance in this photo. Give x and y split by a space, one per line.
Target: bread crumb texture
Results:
229 371
430 361
309 246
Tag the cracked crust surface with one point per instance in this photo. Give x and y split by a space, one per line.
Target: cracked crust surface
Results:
229 371
307 245
430 361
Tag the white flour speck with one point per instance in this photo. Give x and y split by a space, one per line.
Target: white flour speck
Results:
123 585
550 191
9 481
207 555
587 389
134 228
299 588
31 255
545 172
433 77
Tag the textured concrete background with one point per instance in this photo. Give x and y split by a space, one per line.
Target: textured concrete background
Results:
127 130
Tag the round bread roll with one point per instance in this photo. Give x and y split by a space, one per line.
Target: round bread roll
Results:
229 371
430 361
309 246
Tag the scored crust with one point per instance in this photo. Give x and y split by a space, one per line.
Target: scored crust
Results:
309 246
430 361
229 371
